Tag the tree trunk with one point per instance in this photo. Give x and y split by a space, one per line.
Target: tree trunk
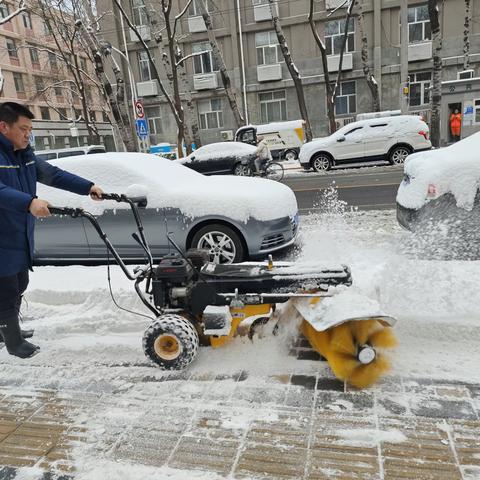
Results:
466 37
227 84
436 96
294 73
370 79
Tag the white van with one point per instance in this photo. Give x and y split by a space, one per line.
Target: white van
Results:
69 152
284 139
385 138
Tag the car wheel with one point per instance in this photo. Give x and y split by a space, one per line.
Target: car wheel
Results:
321 162
398 155
290 155
242 170
222 243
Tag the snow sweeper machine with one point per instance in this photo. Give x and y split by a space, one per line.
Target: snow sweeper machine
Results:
196 302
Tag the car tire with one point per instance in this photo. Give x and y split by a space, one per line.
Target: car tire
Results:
321 162
223 244
290 155
398 154
242 170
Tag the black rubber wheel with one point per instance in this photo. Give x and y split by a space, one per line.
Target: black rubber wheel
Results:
222 243
398 154
171 342
274 171
290 155
321 162
242 170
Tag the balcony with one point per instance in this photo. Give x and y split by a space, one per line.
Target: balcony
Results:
333 4
205 81
147 89
143 30
263 12
420 51
196 24
269 73
333 62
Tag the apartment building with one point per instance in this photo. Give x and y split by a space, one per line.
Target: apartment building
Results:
244 31
33 74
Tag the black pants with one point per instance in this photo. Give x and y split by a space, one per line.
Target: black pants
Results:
11 291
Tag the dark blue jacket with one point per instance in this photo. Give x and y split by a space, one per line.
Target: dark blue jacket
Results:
19 172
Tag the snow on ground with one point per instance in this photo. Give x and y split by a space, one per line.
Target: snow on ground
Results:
88 345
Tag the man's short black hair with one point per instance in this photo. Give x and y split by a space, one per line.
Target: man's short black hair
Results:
10 111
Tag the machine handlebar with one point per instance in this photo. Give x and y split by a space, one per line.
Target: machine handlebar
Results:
140 201
71 212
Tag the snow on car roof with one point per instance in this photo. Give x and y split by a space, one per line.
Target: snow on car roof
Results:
454 169
169 184
220 149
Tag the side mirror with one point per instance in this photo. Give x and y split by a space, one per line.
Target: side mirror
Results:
341 139
192 158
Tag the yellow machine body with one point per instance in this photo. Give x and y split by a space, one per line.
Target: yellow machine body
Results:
240 314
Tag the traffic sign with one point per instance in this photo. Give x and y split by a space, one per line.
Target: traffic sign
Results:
142 127
139 110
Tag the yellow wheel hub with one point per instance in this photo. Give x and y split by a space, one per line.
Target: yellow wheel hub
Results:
167 346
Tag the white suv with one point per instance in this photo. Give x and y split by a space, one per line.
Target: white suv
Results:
385 138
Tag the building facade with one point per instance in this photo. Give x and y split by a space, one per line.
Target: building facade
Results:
402 66
33 73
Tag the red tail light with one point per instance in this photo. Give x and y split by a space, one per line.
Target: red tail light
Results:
432 191
423 134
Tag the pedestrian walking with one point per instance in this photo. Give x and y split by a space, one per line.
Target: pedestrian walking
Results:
19 206
455 124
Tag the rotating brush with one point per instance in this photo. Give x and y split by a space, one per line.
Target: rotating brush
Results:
354 350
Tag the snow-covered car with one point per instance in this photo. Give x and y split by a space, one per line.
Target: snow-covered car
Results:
386 138
221 158
234 218
440 188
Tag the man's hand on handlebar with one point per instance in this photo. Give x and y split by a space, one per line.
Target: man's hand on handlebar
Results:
96 193
39 208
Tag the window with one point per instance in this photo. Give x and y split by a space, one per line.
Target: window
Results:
477 111
105 117
260 2
88 94
58 91
62 112
39 86
334 33
33 55
419 88
27 20
154 120
144 66
140 14
204 63
353 130
45 113
12 48
346 99
4 10
268 49
78 114
273 106
92 116
46 28
18 80
52 60
194 9
83 64
418 24
210 114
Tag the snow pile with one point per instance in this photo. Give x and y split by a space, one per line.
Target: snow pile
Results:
220 150
171 185
454 169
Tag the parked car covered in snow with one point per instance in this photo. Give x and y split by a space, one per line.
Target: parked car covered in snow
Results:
220 158
386 138
440 191
234 218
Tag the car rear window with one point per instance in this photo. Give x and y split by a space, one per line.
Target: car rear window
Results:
96 150
71 154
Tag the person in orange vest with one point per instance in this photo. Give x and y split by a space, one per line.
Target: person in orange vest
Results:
455 124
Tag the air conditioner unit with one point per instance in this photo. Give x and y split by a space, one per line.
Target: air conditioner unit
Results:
226 135
465 74
341 122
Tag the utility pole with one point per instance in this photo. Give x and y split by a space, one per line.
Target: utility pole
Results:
403 55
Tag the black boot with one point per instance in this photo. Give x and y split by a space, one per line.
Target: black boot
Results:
24 333
15 343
